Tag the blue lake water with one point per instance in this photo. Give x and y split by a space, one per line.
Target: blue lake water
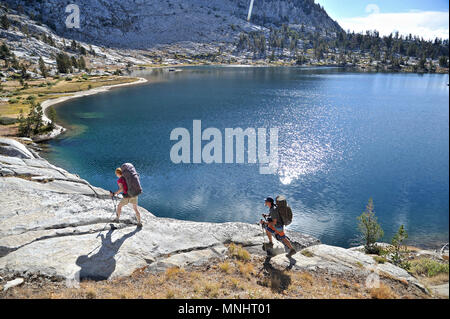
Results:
343 137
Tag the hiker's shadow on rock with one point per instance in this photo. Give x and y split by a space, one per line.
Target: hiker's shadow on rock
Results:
101 265
279 279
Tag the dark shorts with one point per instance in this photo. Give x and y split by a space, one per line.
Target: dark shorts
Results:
277 231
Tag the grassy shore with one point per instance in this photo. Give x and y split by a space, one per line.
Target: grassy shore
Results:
20 96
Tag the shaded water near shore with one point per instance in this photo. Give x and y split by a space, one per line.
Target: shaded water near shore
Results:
343 138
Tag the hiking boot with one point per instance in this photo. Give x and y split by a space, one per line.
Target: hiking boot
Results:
116 220
291 252
139 225
267 246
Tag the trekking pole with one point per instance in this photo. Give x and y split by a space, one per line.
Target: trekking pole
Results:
264 233
114 202
115 212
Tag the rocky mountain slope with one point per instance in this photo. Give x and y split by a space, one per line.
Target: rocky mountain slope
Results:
142 24
28 40
56 225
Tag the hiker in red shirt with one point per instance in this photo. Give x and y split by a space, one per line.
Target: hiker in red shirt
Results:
123 188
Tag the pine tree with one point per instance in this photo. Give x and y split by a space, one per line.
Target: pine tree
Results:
74 45
23 125
4 22
370 229
23 72
74 62
37 118
4 52
14 62
63 63
42 67
443 62
52 117
82 64
398 247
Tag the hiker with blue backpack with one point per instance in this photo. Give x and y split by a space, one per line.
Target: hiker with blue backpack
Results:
129 184
280 215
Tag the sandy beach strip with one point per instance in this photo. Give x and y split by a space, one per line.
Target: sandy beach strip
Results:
47 103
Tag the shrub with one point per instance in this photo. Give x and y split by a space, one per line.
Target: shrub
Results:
8 120
307 253
90 294
379 260
428 267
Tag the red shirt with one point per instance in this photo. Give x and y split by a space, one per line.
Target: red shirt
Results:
124 184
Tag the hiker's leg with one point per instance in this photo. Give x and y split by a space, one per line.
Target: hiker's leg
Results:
138 216
119 209
269 235
287 242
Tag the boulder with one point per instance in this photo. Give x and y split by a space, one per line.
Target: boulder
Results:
10 147
440 290
338 260
13 283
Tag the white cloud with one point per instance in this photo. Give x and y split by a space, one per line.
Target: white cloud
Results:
426 24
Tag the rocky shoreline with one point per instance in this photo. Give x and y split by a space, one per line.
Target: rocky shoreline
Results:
55 224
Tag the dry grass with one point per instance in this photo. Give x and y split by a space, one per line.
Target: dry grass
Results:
236 251
235 283
382 292
238 279
226 267
173 272
435 280
211 289
170 294
246 269
91 294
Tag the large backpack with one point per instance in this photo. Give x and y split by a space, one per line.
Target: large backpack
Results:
284 210
132 179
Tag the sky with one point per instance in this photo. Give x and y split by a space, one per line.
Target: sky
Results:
425 18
